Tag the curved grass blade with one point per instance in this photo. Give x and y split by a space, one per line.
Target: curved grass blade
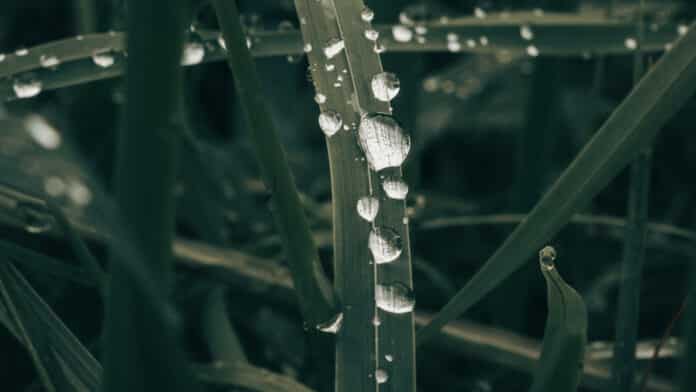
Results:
223 342
565 336
313 289
631 128
239 374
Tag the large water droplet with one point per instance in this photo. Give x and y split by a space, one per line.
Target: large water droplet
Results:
194 51
631 43
333 47
42 132
381 376
103 58
383 141
22 52
333 325
330 122
368 207
385 86
546 257
49 61
532 51
385 245
526 33
395 188
371 34
35 219
402 33
367 14
394 298
27 86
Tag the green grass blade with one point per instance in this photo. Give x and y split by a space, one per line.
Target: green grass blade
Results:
565 336
240 374
223 342
313 289
631 128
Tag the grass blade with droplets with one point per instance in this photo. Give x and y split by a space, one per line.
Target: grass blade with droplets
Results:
631 128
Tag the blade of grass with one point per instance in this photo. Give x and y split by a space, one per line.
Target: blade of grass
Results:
312 287
239 374
628 307
565 335
141 348
631 128
223 342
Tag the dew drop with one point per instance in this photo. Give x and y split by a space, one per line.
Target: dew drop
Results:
54 186
49 61
330 67
383 141
385 245
452 37
307 47
547 255
78 193
368 207
379 48
395 188
479 13
682 29
2 57
471 43
376 320
27 86
385 86
381 376
421 30
389 357
371 34
193 52
330 122
42 132
538 12
631 43
22 52
34 219
402 33
320 98
532 51
333 325
454 46
221 41
394 298
483 40
103 58
367 14
526 33
333 47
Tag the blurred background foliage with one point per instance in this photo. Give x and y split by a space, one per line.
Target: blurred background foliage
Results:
490 133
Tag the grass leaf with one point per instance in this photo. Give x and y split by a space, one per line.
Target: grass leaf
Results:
240 374
631 128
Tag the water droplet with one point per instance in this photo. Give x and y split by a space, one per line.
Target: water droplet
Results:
367 14
2 57
631 43
526 33
402 33
379 48
193 52
376 320
381 376
452 37
532 51
546 257
330 67
421 30
333 325
78 193
330 122
385 86
383 141
320 98
371 34
454 46
368 207
35 218
394 298
49 61
483 40
103 58
221 41
395 188
385 245
333 47
249 42
42 132
471 43
307 47
389 357
682 29
54 186
479 13
420 39
538 12
22 52
404 18
27 86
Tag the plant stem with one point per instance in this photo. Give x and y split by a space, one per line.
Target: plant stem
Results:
313 289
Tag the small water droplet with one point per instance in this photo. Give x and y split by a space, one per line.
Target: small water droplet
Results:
333 325
379 48
538 12
383 141
42 132
381 376
333 47
330 122
249 42
682 29
402 33
454 46
471 43
385 86
532 51
78 193
367 15
483 40
631 43
368 207
35 218
371 34
526 33
452 37
49 61
2 57
22 52
479 13
547 256
320 98
385 245
389 357
394 298
376 320
194 51
404 18
103 58
221 41
421 29
54 186
27 86
307 47
395 188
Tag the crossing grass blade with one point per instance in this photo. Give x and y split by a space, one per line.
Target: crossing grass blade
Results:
240 374
631 128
